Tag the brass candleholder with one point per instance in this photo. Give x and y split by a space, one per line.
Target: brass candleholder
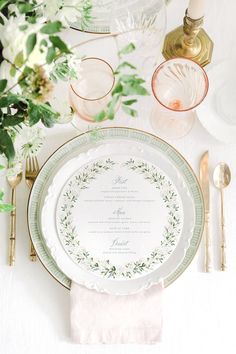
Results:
189 41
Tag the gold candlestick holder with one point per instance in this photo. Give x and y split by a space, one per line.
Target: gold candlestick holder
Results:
189 41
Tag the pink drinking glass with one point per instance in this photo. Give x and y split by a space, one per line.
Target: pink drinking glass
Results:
179 86
92 91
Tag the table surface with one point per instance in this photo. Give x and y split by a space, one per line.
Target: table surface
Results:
197 308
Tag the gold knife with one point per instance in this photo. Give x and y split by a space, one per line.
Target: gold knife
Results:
204 182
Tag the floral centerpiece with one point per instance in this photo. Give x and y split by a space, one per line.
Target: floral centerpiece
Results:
33 56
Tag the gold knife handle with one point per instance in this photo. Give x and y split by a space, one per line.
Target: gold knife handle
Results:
223 238
12 239
207 242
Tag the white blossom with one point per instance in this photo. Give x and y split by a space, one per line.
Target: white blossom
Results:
62 106
66 11
14 39
29 141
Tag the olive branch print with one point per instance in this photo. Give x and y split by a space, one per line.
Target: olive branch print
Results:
69 234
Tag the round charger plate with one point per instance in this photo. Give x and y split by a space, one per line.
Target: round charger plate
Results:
101 15
123 213
82 144
217 112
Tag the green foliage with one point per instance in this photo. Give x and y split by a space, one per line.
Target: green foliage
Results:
19 59
25 7
51 55
14 109
127 84
85 11
30 43
51 27
3 206
58 43
41 112
6 145
3 85
127 49
3 4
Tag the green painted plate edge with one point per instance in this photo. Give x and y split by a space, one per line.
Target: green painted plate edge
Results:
87 138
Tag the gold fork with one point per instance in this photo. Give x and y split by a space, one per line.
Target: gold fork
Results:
31 172
13 182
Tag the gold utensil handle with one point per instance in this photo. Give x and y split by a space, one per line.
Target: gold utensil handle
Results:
207 240
33 254
12 240
223 238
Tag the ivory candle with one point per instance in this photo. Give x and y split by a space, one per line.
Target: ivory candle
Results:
196 9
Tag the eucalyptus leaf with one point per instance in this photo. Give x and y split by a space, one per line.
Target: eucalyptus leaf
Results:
124 65
6 145
5 208
130 111
111 106
10 121
13 71
3 3
43 112
58 43
25 7
129 102
51 54
100 116
127 49
133 89
3 85
10 99
19 59
30 43
117 89
51 27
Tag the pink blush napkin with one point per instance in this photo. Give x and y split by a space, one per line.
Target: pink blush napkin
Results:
102 318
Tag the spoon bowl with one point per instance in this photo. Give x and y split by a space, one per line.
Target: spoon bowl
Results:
222 175
222 178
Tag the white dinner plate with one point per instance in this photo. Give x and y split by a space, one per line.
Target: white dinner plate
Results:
217 112
117 213
77 156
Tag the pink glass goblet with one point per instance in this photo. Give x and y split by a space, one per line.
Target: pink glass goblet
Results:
179 86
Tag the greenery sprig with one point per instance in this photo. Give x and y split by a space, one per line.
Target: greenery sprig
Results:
127 84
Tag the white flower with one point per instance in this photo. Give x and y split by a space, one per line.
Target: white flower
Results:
66 11
62 106
14 40
16 166
29 141
64 68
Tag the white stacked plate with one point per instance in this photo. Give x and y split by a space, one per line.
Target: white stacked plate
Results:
116 211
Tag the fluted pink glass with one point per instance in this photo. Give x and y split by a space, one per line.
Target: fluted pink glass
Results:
179 86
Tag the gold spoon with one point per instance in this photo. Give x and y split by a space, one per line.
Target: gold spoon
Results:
222 178
13 182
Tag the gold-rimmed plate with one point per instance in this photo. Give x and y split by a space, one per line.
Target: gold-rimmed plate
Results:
81 144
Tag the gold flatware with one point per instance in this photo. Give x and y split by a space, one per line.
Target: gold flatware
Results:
204 182
222 178
31 172
13 182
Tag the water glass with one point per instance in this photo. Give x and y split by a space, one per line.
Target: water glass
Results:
179 85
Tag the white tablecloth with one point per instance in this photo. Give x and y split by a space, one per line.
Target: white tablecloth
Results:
199 308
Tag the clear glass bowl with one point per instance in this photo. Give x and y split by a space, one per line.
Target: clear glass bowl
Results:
179 86
143 24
